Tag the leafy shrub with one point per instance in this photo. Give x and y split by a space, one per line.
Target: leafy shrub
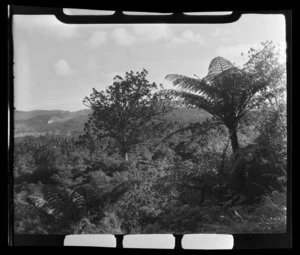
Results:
273 141
189 219
111 224
269 216
84 226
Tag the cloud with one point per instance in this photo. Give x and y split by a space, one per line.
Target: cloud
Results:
23 85
123 37
46 24
93 64
216 32
99 37
222 35
233 53
140 33
219 31
145 33
153 32
23 73
188 36
62 68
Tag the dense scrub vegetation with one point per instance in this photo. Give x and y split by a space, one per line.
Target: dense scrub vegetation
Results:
149 164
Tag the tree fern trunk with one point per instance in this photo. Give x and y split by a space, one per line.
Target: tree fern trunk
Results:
124 153
221 171
126 156
234 139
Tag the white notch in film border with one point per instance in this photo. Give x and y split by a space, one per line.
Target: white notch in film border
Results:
154 241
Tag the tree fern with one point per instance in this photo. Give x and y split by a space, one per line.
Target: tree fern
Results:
225 93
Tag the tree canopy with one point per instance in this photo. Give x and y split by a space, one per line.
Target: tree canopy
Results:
126 110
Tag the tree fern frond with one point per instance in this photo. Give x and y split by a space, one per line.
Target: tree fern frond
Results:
219 65
230 71
198 129
55 199
200 86
44 206
88 193
36 201
185 82
208 163
58 202
22 211
190 99
78 201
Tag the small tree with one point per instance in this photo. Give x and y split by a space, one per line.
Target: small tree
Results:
269 64
126 110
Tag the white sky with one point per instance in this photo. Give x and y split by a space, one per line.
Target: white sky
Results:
57 65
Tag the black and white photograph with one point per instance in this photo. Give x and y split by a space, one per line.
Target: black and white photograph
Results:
152 128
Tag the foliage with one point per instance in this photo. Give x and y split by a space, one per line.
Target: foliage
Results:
268 64
269 216
126 111
56 205
224 93
181 175
273 137
111 224
227 92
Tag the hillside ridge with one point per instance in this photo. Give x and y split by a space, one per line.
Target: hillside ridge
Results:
39 122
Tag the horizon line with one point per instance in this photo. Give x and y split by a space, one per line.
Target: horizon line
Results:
49 110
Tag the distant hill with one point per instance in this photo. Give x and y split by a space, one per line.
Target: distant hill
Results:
36 122
24 115
65 122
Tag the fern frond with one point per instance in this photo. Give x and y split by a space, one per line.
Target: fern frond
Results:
193 100
56 199
207 166
198 129
43 206
58 202
187 83
219 65
199 86
22 211
78 201
36 201
213 79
